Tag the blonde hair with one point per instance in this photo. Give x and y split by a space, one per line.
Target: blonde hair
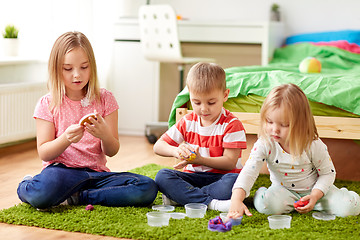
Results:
302 128
63 45
205 77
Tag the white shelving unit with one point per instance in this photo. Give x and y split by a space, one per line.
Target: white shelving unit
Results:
22 69
17 60
136 81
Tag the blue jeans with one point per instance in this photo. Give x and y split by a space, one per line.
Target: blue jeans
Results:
57 182
201 187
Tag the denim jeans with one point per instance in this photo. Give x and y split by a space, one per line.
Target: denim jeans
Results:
201 187
57 182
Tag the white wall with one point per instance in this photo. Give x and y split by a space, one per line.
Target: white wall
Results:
299 16
42 21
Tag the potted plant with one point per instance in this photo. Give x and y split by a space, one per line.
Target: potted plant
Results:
275 13
10 40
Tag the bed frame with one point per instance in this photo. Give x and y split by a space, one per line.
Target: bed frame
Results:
328 127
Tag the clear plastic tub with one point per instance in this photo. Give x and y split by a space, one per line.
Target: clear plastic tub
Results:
195 210
158 219
177 215
163 208
234 222
279 221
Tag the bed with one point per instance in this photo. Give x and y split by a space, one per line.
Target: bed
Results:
334 94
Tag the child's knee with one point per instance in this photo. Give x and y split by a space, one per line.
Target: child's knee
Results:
274 200
36 197
150 192
163 175
42 191
344 203
229 179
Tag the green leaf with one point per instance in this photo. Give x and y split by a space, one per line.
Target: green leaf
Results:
10 32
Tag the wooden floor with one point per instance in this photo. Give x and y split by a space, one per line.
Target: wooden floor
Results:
20 160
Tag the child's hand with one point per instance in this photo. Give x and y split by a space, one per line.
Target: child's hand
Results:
237 209
98 127
184 151
74 133
181 164
308 207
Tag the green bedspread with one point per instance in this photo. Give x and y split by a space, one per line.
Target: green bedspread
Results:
333 92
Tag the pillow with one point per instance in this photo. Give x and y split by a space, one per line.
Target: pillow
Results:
351 36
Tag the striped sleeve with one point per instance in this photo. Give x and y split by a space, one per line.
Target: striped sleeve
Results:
175 135
234 135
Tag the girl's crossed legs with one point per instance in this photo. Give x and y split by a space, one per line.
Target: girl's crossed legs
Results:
57 182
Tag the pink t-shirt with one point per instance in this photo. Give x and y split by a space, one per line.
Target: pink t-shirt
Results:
86 153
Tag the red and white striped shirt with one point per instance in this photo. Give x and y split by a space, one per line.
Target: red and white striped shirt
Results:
227 131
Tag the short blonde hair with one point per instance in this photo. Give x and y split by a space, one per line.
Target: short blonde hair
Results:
302 128
205 77
63 45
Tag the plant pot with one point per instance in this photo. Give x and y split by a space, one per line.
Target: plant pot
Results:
11 47
275 16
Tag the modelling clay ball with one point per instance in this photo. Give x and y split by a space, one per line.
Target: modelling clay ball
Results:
300 203
89 207
190 158
216 224
310 65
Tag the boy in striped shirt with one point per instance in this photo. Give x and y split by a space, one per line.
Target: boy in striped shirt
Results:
208 142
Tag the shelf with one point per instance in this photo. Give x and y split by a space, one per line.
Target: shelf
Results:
18 60
268 34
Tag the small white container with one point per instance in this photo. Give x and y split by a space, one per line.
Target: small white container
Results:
195 210
224 217
323 216
279 221
234 222
177 215
163 208
158 219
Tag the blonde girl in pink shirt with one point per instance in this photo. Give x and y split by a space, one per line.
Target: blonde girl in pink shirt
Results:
74 155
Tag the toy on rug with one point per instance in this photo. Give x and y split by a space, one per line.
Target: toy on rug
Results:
89 207
323 216
234 221
216 224
310 65
300 203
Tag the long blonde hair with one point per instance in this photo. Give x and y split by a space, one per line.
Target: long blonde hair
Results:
205 77
302 128
63 45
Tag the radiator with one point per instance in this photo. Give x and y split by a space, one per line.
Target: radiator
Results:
17 103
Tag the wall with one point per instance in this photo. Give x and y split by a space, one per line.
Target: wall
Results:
299 16
42 21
